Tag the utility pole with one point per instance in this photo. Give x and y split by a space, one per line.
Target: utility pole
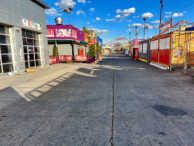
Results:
129 36
162 6
136 32
144 26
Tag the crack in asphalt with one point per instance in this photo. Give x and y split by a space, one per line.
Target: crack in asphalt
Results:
112 136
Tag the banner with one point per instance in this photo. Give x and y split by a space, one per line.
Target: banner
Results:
166 25
65 58
74 34
50 32
80 58
63 32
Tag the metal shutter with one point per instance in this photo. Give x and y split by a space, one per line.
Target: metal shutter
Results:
64 49
50 48
75 49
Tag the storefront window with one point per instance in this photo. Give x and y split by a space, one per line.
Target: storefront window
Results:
5 50
7 68
31 49
4 39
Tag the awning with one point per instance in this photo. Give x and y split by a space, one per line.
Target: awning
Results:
82 42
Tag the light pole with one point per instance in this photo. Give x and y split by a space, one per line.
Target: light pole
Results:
144 26
162 6
68 12
129 36
136 32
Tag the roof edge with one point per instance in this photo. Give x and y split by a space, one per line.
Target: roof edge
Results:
41 3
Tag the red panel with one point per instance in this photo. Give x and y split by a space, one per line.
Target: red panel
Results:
164 56
65 58
52 60
136 53
80 58
154 55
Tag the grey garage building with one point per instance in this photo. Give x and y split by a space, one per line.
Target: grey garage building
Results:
23 35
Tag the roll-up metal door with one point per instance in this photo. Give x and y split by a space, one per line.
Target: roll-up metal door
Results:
50 47
87 50
75 49
64 49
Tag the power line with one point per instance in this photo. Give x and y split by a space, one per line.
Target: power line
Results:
172 1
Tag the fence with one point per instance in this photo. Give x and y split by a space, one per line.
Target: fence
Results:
183 51
174 50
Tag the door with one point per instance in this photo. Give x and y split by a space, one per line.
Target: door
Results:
81 51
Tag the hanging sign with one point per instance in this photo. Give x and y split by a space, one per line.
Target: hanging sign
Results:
166 25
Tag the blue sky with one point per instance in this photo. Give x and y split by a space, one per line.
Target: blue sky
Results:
112 18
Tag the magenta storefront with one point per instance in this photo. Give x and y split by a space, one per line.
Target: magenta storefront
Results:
69 40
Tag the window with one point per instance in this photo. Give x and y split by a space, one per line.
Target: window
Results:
6 64
31 49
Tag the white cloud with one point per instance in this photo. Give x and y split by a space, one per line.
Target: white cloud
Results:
167 16
118 11
177 14
129 29
168 12
118 16
52 12
97 18
100 32
110 19
129 25
108 14
129 21
174 15
80 12
149 15
135 17
81 1
92 9
156 21
125 12
65 4
137 24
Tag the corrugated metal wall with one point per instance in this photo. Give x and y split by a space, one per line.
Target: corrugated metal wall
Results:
64 49
50 48
75 49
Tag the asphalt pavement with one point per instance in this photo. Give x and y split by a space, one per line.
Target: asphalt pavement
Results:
115 102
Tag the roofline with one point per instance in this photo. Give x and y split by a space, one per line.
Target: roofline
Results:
41 3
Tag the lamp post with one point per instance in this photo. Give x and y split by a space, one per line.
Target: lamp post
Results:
68 12
129 36
144 26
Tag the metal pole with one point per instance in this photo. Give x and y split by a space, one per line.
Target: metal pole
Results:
136 32
69 18
161 2
144 29
186 52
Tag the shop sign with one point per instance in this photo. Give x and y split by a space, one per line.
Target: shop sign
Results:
166 25
50 32
63 32
31 24
65 58
21 56
74 34
52 60
80 58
